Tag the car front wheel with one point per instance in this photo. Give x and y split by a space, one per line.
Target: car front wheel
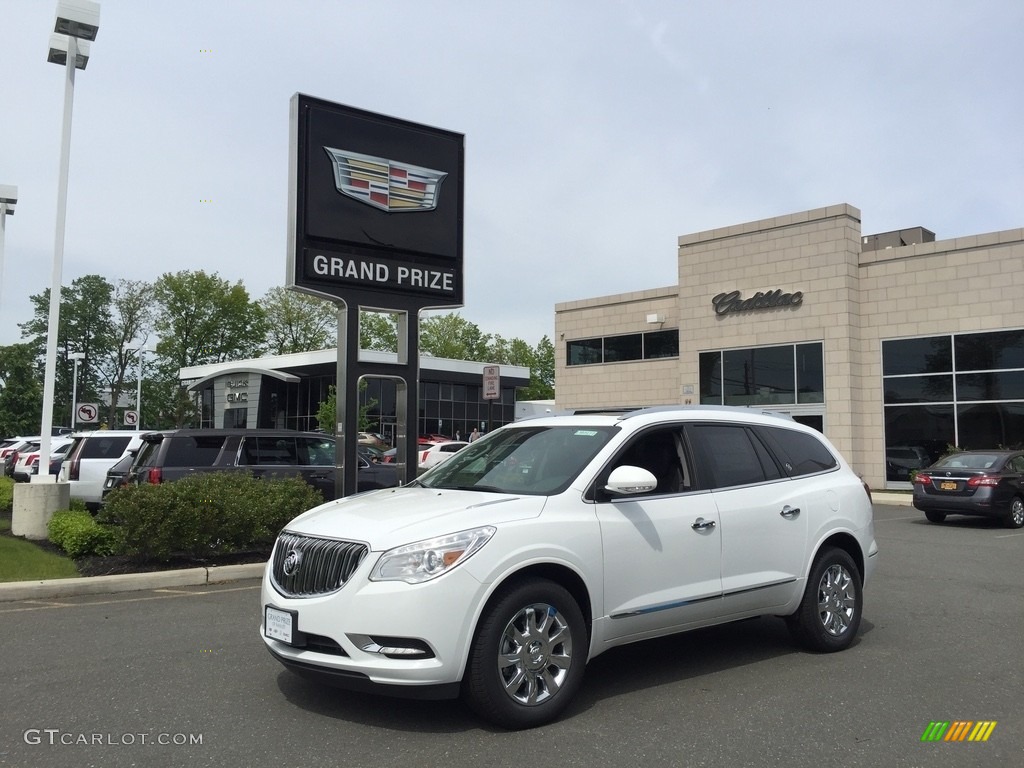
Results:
935 517
1016 517
527 658
829 614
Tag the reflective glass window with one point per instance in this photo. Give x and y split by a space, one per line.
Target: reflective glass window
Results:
918 389
621 348
930 354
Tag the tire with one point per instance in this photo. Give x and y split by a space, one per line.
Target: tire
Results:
527 657
935 517
829 614
1015 519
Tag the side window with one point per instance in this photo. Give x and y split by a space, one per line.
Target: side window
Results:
274 451
728 456
199 451
799 452
1017 464
661 452
316 452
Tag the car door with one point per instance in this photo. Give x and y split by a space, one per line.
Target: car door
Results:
662 549
762 516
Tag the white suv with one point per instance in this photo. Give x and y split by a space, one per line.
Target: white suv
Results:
92 454
498 574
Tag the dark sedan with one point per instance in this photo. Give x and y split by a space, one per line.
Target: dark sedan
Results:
981 483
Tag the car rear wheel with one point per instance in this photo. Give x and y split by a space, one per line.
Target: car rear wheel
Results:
829 614
1016 517
526 662
935 517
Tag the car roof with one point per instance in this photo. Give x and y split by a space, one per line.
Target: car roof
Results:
660 413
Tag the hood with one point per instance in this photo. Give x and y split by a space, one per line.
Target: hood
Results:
396 516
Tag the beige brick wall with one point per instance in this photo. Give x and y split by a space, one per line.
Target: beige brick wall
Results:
851 302
648 382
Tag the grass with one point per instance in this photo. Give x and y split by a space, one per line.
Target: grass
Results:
21 560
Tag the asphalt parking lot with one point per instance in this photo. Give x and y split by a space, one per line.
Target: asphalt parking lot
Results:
178 676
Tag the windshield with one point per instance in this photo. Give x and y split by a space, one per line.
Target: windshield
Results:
968 461
524 460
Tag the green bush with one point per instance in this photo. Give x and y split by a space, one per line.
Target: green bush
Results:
206 514
6 494
79 535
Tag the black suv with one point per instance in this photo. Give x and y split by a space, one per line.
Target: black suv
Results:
174 454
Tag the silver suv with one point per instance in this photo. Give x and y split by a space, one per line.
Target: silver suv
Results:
500 573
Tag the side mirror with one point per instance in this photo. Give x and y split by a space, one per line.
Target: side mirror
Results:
630 480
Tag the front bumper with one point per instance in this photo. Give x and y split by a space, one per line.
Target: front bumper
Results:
342 637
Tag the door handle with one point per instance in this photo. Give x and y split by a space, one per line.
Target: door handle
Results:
700 524
788 511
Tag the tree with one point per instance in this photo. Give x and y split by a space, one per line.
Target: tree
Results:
21 391
84 326
202 319
297 322
378 331
131 327
540 360
453 337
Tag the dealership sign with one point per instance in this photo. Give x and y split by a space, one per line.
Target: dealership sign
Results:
725 303
375 208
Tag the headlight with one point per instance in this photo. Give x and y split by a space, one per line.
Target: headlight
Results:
422 561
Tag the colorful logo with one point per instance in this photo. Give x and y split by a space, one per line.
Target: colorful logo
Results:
385 184
958 730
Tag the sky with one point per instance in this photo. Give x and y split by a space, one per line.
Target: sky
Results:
596 131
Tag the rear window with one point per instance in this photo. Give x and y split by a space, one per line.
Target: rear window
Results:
800 453
103 447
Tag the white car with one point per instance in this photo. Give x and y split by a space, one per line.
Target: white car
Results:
500 573
440 452
92 454
27 463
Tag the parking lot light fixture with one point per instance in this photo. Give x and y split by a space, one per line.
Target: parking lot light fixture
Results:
76 21
77 357
8 197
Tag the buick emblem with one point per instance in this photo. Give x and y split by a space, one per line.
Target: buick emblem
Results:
292 561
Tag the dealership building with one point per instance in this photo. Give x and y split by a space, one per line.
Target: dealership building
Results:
285 392
895 345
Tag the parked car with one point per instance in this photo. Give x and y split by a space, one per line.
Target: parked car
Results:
501 572
26 462
9 452
440 452
373 439
171 455
88 460
985 483
118 474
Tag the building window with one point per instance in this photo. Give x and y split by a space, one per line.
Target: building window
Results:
653 345
965 390
781 375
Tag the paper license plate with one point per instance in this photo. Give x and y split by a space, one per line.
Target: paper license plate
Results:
279 625
947 486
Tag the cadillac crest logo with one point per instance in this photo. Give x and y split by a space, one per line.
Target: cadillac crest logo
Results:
385 184
291 562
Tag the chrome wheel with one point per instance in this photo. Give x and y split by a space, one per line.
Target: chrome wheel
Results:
1016 517
535 654
829 614
837 600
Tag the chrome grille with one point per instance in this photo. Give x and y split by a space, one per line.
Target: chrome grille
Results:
314 566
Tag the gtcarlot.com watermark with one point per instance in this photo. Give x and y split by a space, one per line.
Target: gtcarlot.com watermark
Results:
57 737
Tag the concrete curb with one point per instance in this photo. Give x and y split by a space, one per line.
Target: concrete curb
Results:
128 582
900 499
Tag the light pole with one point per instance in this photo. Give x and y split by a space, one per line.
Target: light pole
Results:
142 350
8 197
75 21
77 357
